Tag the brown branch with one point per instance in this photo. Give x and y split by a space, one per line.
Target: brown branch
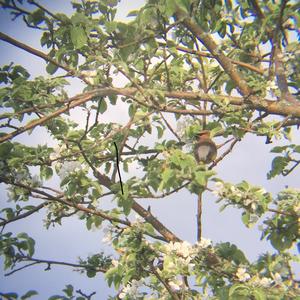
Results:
213 48
49 263
163 195
65 201
272 107
165 284
224 154
170 127
44 9
24 215
279 67
40 54
147 215
74 101
257 9
199 217
280 212
207 54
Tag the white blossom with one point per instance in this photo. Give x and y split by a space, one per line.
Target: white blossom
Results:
219 188
108 237
174 286
89 73
183 249
114 262
204 243
265 282
191 267
131 289
277 278
68 167
297 208
242 275
169 265
253 206
57 152
271 87
138 220
249 201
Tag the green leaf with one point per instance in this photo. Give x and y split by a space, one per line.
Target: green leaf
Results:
133 13
91 273
69 290
279 149
131 110
107 167
37 17
78 37
183 4
278 165
46 172
31 243
160 132
201 178
166 175
29 294
103 106
51 68
113 99
5 149
246 218
259 294
10 296
57 297
170 7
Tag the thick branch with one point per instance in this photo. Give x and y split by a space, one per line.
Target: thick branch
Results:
271 107
147 215
213 48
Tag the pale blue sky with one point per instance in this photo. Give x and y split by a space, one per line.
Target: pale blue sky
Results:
250 161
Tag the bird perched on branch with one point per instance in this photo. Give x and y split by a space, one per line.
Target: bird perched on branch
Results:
205 149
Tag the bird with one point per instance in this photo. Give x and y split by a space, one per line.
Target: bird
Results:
205 150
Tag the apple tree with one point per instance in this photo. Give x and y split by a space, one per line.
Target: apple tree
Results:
174 68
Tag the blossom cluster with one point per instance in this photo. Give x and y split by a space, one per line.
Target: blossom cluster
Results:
251 198
185 249
256 281
179 256
131 289
68 167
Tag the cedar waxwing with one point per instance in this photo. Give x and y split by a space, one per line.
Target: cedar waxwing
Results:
205 149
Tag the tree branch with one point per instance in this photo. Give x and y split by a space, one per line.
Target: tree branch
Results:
213 48
24 215
207 54
272 107
49 263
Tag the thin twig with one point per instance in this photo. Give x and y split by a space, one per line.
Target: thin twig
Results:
199 217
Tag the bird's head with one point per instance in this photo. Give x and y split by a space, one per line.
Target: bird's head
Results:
203 134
